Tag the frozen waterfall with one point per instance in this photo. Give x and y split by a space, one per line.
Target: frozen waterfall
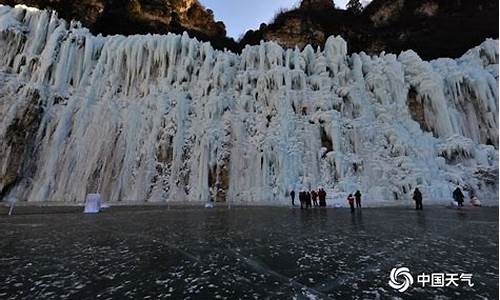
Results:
167 118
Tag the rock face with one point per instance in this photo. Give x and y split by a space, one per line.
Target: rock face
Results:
168 118
297 32
17 148
432 28
316 4
140 17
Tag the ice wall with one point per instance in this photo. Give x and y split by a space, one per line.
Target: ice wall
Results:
167 118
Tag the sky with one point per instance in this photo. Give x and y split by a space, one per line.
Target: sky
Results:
242 15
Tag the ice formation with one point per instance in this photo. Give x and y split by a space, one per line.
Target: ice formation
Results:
167 118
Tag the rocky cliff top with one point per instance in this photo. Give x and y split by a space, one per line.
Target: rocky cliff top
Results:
432 28
316 4
129 17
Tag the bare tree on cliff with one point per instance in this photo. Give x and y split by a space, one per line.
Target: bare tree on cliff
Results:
354 6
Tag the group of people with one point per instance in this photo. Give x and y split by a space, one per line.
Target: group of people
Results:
309 199
458 197
357 197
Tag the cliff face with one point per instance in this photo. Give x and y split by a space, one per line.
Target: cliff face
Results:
168 118
432 28
140 17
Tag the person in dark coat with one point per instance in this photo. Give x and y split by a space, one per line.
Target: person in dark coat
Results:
417 196
302 199
322 197
357 195
292 195
308 199
350 199
314 197
459 197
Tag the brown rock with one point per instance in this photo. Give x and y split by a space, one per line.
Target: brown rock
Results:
316 4
432 28
17 149
140 17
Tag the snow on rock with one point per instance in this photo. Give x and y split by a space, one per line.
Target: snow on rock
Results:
168 118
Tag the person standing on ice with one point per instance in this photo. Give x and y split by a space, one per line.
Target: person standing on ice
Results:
458 196
292 195
350 199
302 199
314 197
417 196
322 197
308 199
358 199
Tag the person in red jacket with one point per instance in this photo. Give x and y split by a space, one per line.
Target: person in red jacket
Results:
322 197
350 199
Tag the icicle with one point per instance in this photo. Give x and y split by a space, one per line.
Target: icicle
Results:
168 118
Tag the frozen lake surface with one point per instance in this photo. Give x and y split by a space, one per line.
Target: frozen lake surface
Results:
258 253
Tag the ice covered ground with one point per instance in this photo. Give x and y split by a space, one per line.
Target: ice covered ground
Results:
246 253
167 118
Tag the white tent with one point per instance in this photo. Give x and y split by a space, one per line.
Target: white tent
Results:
93 203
